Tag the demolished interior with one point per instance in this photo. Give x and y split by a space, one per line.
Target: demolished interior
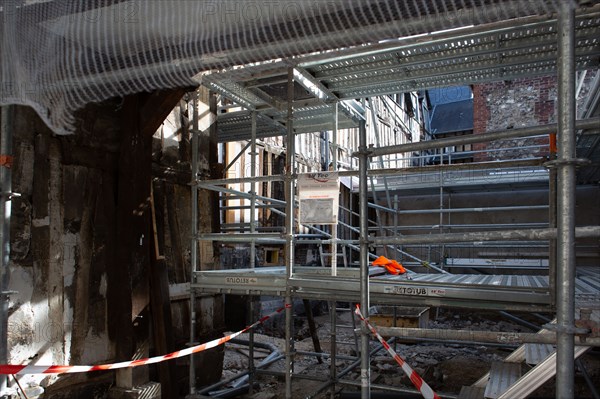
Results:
518 276
469 153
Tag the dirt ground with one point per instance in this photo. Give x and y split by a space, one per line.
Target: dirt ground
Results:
445 367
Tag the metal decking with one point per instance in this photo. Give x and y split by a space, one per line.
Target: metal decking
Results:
519 49
506 292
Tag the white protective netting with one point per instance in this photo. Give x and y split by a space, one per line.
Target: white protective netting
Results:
58 55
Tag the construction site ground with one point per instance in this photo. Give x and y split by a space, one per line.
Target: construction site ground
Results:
445 367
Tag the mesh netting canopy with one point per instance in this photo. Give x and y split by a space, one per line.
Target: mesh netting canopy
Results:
59 55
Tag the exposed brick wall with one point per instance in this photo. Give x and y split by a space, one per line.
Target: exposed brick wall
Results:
511 105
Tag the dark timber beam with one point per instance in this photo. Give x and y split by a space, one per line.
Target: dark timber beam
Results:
157 106
136 270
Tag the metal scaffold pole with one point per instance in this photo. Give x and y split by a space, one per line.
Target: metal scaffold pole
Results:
364 258
253 190
334 249
289 234
334 167
334 136
552 222
252 246
5 207
566 163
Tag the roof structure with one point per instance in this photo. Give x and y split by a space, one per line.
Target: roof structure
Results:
452 117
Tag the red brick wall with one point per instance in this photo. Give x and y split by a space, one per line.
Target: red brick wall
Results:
511 105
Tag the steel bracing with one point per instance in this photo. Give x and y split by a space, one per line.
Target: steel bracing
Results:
300 95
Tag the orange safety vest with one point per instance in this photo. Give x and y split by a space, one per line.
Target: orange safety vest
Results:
391 266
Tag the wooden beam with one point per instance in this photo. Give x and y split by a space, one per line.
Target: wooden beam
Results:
130 285
157 106
160 307
119 272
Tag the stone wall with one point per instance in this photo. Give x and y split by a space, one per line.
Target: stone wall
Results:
514 104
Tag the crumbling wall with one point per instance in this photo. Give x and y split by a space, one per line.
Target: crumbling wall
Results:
64 245
514 104
62 231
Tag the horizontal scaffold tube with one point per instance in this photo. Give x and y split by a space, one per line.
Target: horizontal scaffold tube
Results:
525 234
591 123
216 185
547 337
472 166
240 180
245 237
483 209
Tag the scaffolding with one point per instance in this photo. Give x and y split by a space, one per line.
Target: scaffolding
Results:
338 78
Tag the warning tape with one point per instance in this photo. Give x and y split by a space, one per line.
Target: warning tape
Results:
34 369
415 378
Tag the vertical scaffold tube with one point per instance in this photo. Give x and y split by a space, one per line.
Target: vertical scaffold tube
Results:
364 259
334 249
5 209
334 167
253 224
289 234
565 278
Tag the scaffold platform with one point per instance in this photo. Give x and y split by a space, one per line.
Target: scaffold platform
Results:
495 292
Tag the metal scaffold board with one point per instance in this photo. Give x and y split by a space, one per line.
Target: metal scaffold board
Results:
235 126
511 292
397 66
515 292
466 178
509 53
536 353
502 376
537 376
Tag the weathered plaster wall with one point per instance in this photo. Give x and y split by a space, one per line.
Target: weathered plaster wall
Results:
61 240
64 248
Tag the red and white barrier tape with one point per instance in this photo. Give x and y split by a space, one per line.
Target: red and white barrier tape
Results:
415 378
32 369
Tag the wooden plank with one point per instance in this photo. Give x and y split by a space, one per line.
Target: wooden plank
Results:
156 246
184 147
312 328
179 264
160 307
129 228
